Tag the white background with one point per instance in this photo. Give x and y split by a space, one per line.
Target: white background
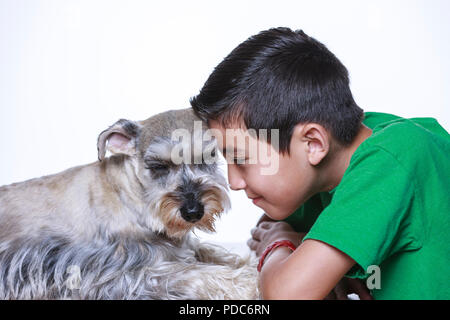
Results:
69 69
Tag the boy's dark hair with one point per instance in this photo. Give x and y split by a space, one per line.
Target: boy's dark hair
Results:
277 79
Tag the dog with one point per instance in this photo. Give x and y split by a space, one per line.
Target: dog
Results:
121 227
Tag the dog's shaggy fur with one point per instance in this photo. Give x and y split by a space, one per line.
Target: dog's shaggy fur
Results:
120 228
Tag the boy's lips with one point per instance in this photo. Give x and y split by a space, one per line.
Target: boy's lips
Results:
256 199
252 197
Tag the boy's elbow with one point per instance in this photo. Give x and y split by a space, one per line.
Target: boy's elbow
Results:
273 288
269 290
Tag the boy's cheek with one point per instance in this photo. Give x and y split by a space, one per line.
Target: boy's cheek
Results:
270 166
258 183
274 202
268 163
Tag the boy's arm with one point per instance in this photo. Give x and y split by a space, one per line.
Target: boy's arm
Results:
310 272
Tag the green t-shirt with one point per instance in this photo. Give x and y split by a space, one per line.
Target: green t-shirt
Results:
391 208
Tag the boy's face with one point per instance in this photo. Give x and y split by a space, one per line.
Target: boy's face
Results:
277 183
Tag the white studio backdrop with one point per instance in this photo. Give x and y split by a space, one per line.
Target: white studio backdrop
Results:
69 69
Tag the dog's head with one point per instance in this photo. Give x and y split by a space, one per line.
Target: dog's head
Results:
176 162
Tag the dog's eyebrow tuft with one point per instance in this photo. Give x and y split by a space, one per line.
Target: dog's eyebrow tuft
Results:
150 157
159 150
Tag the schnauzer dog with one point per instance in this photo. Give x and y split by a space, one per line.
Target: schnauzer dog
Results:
119 228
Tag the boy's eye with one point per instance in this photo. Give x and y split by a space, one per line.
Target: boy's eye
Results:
240 161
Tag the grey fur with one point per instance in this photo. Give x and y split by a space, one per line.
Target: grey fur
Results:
117 223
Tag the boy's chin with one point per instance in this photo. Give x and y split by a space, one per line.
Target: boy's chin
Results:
275 213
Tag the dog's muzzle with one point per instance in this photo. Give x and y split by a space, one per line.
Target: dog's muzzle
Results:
191 210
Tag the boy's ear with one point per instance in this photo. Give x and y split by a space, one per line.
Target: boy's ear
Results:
120 138
317 142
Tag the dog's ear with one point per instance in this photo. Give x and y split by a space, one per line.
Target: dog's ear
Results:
120 138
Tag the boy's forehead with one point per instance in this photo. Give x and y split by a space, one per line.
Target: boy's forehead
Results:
230 136
217 125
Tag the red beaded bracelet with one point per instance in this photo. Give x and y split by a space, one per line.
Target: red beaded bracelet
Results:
276 244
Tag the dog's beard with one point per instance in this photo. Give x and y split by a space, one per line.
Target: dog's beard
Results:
166 217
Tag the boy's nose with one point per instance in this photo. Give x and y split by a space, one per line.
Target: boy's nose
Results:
235 179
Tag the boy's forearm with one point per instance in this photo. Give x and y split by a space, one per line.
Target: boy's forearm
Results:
278 284
269 272
310 272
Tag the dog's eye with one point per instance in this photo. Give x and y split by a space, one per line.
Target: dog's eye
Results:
158 168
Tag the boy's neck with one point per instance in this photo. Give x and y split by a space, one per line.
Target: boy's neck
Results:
335 170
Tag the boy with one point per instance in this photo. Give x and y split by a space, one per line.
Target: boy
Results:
368 189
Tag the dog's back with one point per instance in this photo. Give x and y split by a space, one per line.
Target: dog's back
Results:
76 202
29 206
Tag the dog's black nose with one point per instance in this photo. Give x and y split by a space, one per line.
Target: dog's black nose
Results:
192 211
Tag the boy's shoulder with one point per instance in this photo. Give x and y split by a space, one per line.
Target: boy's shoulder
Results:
373 119
420 125
402 136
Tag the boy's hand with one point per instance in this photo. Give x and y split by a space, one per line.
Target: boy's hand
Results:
267 232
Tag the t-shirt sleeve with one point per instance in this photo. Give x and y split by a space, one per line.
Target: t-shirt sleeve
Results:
368 217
